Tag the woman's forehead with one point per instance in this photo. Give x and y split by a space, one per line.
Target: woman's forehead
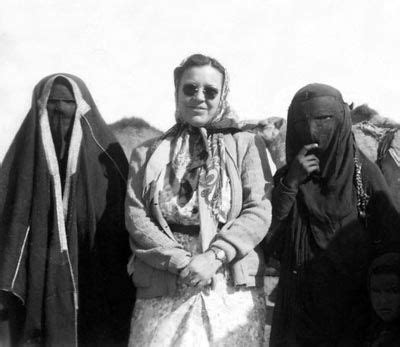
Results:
205 74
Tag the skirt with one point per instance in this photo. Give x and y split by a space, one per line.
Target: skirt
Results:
221 315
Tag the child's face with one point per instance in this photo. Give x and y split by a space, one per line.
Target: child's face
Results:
385 295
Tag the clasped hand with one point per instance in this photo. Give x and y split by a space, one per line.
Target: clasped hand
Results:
200 270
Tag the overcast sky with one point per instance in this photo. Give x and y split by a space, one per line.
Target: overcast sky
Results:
126 51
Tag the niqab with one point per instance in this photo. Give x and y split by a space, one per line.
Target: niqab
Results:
64 247
327 196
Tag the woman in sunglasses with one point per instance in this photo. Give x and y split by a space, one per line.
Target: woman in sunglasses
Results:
197 207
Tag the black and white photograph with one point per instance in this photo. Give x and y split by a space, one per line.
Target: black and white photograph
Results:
199 173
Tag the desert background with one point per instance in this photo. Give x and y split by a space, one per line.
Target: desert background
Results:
126 51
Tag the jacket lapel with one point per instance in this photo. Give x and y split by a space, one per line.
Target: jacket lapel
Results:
155 168
233 174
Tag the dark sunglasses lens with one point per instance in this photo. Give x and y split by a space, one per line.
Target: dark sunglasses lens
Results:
210 93
189 89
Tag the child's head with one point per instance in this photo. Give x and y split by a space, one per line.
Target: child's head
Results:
384 286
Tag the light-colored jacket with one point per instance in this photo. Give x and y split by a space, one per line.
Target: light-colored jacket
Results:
157 256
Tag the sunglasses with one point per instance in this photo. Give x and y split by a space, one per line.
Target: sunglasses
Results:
192 89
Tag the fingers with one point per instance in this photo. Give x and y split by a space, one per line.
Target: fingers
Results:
191 280
311 166
204 283
194 280
309 160
188 277
306 148
184 273
302 166
310 157
188 280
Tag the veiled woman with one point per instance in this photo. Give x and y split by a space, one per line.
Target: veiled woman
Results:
63 244
333 212
197 207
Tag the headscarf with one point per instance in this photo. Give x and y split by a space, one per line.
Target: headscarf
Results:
328 197
225 117
213 178
63 251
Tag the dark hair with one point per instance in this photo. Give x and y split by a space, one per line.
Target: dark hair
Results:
196 60
385 269
385 264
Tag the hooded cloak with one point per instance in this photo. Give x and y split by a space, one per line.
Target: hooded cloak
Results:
64 247
329 227
328 197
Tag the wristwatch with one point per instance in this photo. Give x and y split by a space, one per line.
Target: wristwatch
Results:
219 254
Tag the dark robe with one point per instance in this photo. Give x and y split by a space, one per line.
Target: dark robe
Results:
327 231
383 334
64 248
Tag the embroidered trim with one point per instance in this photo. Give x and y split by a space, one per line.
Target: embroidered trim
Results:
75 144
50 153
362 196
61 200
52 163
20 258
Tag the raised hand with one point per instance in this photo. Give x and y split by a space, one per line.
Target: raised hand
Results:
302 167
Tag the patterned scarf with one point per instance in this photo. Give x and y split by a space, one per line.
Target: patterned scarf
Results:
198 164
213 181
